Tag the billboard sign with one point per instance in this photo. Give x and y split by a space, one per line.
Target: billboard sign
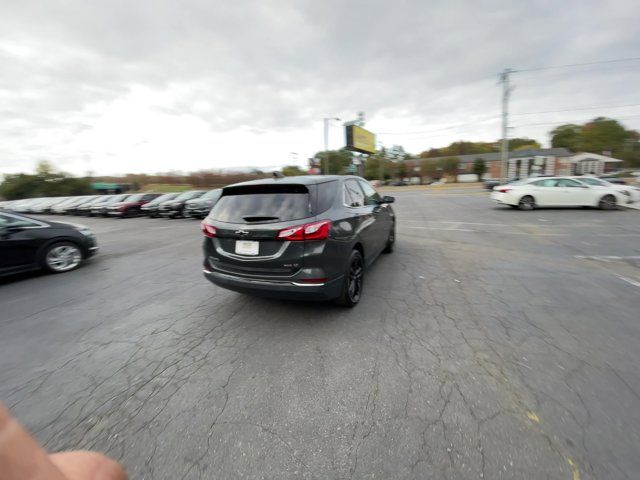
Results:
360 140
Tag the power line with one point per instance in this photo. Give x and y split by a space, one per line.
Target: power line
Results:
571 65
578 109
440 129
567 122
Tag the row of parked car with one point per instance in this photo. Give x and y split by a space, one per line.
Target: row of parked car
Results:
192 203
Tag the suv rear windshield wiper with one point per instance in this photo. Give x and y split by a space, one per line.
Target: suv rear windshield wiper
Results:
250 218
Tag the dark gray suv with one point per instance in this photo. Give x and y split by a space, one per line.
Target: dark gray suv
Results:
307 237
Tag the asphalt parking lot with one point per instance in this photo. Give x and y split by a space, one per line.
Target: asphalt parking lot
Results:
491 344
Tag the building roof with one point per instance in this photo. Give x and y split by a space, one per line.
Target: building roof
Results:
494 156
578 157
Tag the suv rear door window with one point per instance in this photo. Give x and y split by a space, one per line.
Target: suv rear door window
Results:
326 196
353 196
262 203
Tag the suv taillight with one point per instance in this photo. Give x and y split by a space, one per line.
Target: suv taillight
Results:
208 230
309 231
504 190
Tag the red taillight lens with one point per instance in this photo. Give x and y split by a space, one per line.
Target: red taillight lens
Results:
293 233
207 229
504 190
310 231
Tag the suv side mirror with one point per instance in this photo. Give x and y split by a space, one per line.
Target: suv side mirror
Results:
387 199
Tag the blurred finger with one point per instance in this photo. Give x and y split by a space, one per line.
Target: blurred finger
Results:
21 458
83 465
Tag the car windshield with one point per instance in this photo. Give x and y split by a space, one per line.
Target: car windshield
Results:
188 195
135 198
117 198
212 194
268 203
163 198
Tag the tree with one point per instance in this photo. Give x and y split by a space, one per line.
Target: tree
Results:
45 183
479 168
292 170
523 143
568 136
428 168
597 136
449 165
339 161
401 170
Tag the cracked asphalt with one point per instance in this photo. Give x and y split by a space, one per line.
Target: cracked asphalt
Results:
491 344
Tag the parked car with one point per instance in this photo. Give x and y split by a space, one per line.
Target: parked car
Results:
556 192
102 209
308 237
175 208
632 193
63 208
201 206
45 206
399 183
78 208
615 180
86 207
151 209
490 183
30 244
131 207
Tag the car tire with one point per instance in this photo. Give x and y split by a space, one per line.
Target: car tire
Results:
608 202
527 203
61 257
391 240
353 281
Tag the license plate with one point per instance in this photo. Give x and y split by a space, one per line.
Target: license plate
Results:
247 247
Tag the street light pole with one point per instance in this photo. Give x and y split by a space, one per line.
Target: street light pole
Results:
326 143
504 150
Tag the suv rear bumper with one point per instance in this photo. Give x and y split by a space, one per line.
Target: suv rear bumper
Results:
276 289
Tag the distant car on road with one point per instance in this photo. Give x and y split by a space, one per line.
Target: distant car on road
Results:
175 208
201 206
30 244
556 192
131 206
399 183
307 237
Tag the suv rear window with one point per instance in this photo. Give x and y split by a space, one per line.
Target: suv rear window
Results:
262 203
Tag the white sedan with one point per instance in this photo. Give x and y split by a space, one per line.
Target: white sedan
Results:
556 192
632 193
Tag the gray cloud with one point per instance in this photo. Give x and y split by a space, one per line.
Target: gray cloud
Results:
280 66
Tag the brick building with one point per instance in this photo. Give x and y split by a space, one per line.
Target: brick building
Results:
534 162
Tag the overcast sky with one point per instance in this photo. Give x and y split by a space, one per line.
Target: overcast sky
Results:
148 86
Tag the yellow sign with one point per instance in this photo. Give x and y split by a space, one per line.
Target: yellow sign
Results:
360 140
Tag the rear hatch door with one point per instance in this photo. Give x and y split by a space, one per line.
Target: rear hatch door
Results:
247 221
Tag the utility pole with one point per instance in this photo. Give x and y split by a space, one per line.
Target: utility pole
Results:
381 159
504 151
325 160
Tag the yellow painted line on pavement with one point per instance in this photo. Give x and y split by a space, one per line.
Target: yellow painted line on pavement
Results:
574 469
533 417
